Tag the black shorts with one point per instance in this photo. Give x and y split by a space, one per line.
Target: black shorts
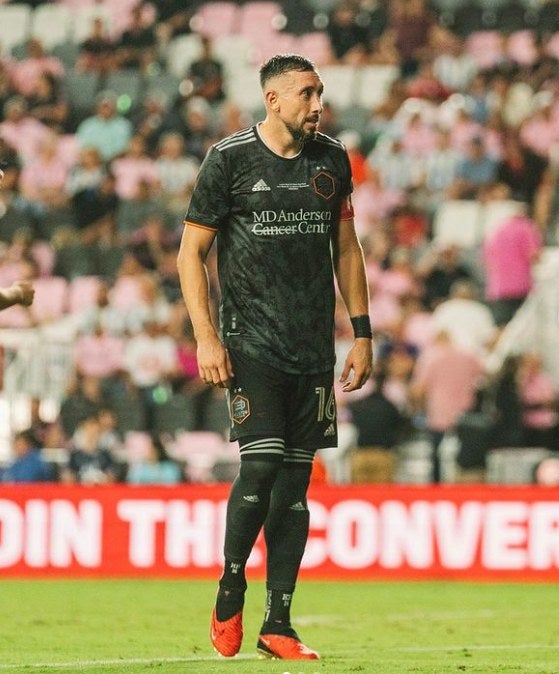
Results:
266 402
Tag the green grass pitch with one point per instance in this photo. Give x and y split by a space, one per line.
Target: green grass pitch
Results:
161 626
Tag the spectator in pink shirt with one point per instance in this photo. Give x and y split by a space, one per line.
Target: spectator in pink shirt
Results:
43 179
21 131
509 254
27 72
539 398
419 138
99 354
132 168
444 385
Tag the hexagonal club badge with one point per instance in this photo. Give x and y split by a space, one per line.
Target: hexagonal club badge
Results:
240 408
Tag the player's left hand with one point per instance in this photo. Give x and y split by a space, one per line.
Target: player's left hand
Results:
360 361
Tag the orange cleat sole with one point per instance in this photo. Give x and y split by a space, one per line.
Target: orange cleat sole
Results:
278 647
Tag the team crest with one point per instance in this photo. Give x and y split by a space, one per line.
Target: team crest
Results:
239 409
323 184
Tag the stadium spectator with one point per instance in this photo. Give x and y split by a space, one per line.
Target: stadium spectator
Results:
520 170
275 362
88 461
509 254
83 399
349 40
206 74
133 167
20 130
468 321
379 425
47 103
26 72
439 268
413 24
475 172
176 170
136 48
28 465
444 385
97 52
106 130
156 468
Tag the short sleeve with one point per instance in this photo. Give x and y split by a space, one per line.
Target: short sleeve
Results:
210 202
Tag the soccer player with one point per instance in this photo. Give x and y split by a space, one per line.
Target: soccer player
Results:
277 198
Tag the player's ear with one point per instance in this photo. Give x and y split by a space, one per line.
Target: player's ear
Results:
272 99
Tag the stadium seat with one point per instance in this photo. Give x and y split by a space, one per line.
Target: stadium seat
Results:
458 222
260 19
339 85
181 52
126 292
52 24
107 261
215 19
15 25
74 260
244 90
521 47
82 22
315 46
373 84
136 446
514 465
200 451
176 415
80 89
234 51
83 292
485 47
51 298
127 85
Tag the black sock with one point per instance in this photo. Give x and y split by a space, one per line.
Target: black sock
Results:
231 592
277 619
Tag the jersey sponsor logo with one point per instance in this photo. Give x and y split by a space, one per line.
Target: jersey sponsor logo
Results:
261 186
323 184
239 409
282 223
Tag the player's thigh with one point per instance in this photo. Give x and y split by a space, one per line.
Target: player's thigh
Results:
257 399
312 412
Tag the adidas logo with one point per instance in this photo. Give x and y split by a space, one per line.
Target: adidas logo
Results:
253 498
261 186
331 430
297 506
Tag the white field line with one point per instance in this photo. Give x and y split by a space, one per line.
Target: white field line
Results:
476 647
123 661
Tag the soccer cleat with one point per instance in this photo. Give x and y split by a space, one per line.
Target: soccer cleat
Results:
227 635
279 647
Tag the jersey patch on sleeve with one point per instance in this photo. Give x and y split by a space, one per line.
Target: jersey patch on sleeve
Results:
346 211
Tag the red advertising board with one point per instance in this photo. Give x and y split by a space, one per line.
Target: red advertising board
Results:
369 532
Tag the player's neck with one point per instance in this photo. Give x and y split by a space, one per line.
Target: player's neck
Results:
278 139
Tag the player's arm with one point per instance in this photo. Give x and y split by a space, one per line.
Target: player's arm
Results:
214 365
349 266
20 292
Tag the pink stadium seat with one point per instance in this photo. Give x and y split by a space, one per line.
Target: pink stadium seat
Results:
83 293
200 451
44 255
15 317
126 292
485 47
315 46
521 47
136 446
51 298
260 19
215 19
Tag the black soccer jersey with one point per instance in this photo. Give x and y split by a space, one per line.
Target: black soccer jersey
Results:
275 218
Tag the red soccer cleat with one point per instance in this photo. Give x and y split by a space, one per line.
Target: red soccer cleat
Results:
279 647
227 636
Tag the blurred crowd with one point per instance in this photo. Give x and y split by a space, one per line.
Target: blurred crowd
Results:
92 203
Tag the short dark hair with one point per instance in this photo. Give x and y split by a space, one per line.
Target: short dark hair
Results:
284 63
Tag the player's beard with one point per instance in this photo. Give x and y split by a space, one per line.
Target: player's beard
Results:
300 134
